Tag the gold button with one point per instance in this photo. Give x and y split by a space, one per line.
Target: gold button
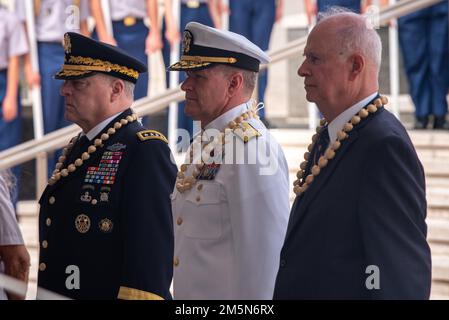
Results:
200 187
45 244
42 267
180 221
52 200
48 222
176 262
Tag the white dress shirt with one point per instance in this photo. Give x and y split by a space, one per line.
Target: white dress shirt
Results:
339 122
55 18
124 8
99 127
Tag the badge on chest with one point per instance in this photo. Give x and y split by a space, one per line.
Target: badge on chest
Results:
209 171
107 169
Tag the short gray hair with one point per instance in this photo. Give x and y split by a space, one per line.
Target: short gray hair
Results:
249 77
128 88
359 36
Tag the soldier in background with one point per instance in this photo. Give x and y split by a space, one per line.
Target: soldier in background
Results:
423 38
254 20
130 32
52 20
201 11
13 45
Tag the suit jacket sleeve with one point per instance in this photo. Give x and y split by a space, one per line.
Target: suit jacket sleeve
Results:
147 219
392 212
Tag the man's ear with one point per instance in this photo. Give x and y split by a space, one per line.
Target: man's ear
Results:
118 88
357 62
235 83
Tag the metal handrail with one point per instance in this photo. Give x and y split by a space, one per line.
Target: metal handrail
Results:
57 139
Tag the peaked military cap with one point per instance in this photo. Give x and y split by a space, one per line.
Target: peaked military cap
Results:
204 47
84 57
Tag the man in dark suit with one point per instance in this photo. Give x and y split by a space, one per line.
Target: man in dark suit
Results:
357 227
105 223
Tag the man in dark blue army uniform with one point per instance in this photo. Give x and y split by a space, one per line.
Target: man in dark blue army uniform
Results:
105 223
254 20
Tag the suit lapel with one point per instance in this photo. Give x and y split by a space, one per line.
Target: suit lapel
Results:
299 209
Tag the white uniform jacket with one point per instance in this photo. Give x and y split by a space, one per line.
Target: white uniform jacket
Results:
229 230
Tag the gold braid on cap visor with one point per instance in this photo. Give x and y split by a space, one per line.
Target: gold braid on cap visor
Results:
200 59
80 65
190 62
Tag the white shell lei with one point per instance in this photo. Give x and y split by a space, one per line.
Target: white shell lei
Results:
183 182
60 172
303 183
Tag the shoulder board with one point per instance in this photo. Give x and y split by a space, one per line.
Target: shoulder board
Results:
151 135
246 132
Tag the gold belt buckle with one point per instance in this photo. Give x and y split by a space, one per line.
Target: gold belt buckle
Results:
193 4
129 21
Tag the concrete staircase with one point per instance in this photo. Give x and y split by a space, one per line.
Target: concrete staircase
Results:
433 150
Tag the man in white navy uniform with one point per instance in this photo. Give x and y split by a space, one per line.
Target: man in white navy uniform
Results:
229 218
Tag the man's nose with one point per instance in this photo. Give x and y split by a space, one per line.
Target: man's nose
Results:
65 90
302 70
186 84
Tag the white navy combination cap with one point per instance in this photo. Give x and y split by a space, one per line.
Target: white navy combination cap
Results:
204 47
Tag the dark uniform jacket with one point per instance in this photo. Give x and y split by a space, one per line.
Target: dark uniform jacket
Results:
110 220
365 210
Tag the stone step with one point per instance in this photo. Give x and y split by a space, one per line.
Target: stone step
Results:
439 248
438 230
440 268
440 290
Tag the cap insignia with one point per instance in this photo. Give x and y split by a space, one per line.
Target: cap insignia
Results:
186 41
67 44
